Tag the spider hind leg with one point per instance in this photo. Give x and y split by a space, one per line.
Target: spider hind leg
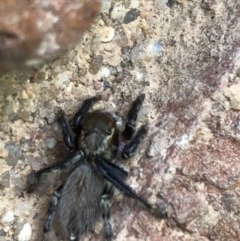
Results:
52 208
116 176
107 194
71 161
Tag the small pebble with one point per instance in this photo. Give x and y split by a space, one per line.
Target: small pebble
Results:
106 5
107 34
95 64
207 5
24 94
135 3
120 37
2 233
145 51
14 153
106 85
106 94
97 85
159 4
233 94
51 142
170 3
36 215
22 208
112 69
26 233
8 217
105 72
5 179
62 78
118 11
130 16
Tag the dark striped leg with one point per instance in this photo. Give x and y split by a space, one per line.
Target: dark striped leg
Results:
67 133
106 196
52 208
115 175
131 147
71 161
132 117
79 116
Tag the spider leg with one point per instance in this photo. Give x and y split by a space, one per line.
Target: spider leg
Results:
79 116
112 168
107 194
52 208
111 175
67 133
131 147
71 161
132 117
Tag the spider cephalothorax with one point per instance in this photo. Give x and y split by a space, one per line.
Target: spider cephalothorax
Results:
94 140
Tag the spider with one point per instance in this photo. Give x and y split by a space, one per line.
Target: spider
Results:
94 140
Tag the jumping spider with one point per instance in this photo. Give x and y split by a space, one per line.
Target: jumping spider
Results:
94 140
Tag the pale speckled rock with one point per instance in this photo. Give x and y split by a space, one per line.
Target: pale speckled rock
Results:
26 233
233 93
118 10
105 72
95 64
160 3
8 217
5 179
120 37
106 5
134 3
145 51
22 208
51 142
107 34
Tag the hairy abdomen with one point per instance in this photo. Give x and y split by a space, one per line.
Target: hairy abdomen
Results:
79 206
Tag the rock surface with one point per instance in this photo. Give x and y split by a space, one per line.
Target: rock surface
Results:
33 33
187 60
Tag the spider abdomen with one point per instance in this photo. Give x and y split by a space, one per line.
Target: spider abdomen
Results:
79 206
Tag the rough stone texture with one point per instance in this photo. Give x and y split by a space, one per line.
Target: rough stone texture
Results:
32 33
188 64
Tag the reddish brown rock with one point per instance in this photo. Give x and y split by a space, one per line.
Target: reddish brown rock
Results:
32 33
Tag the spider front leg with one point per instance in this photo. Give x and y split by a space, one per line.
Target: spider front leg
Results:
106 196
79 116
131 147
67 133
52 208
132 117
